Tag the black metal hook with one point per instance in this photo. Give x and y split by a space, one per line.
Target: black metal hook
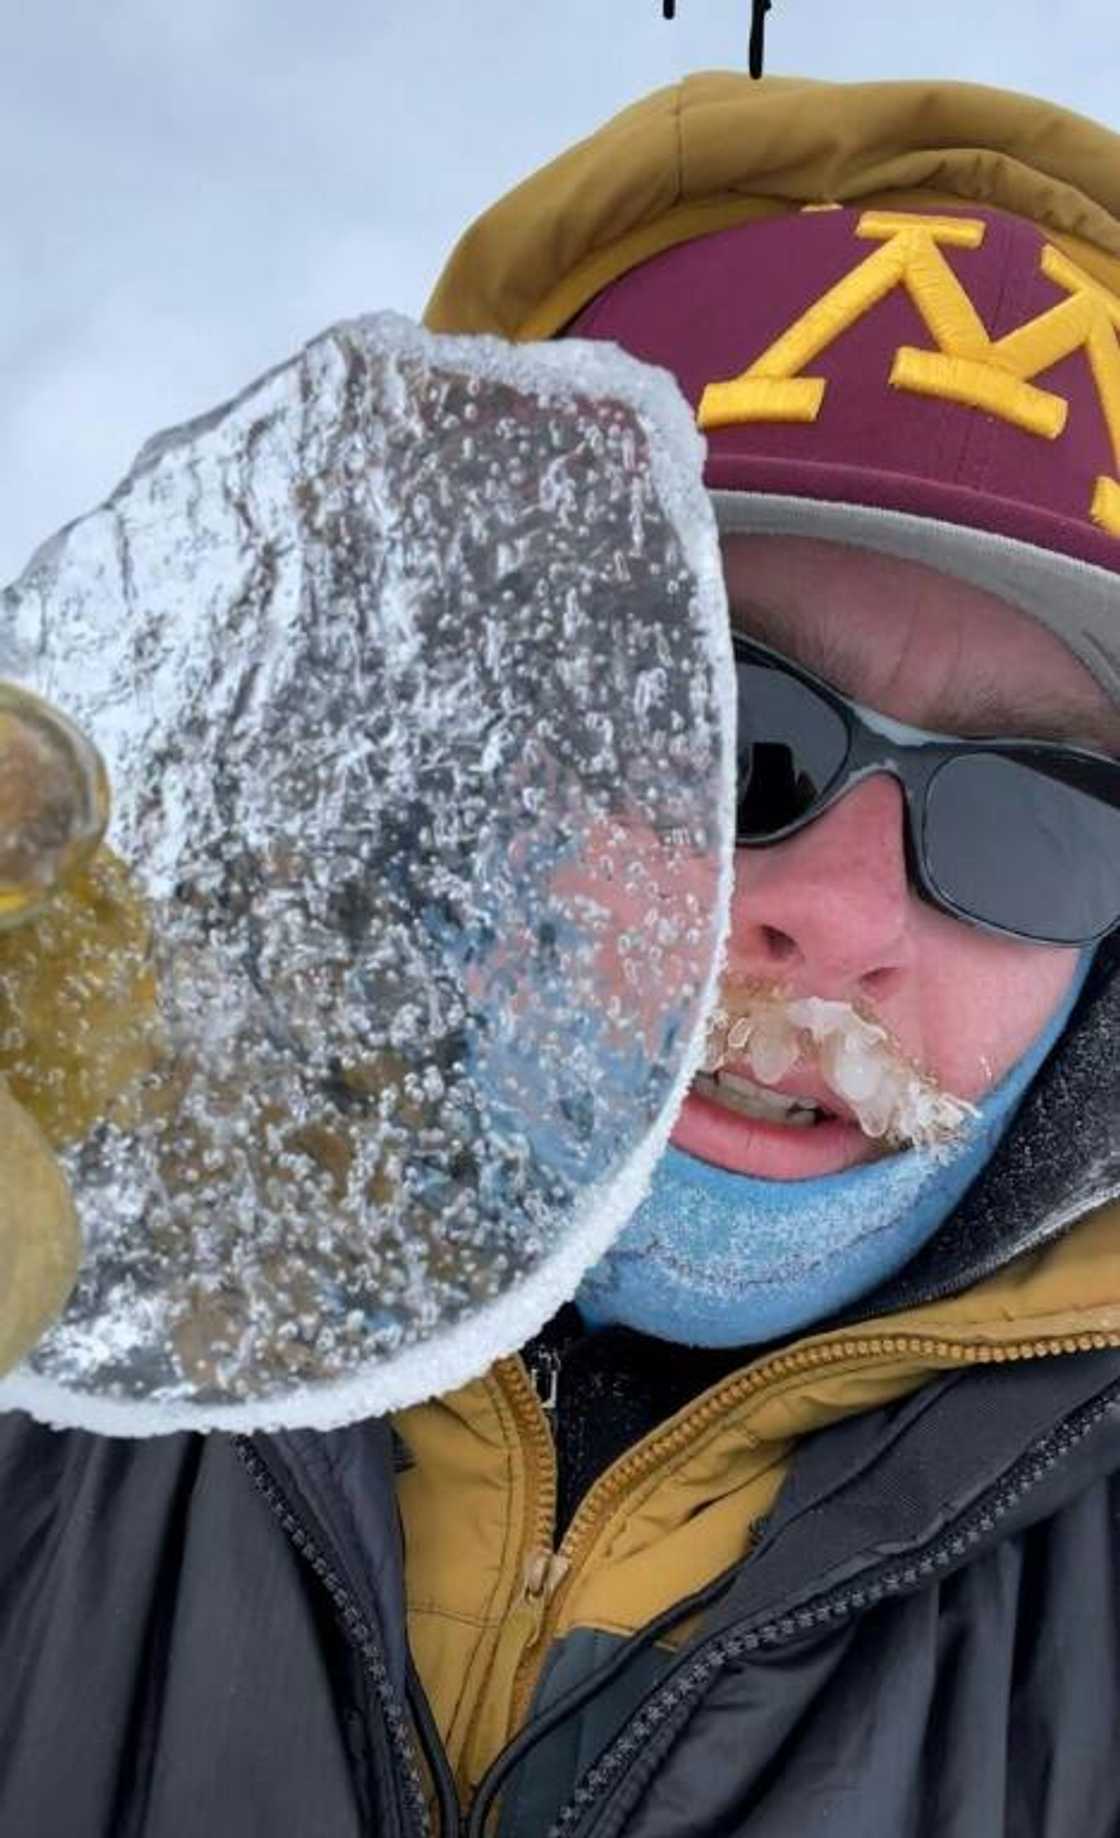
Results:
759 10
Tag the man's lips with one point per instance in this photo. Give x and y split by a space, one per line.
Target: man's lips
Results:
771 1151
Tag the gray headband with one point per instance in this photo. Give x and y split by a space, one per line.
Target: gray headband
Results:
1079 603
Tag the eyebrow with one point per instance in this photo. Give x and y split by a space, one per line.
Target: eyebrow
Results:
989 713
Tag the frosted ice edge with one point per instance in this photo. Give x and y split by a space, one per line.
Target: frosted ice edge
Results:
593 1213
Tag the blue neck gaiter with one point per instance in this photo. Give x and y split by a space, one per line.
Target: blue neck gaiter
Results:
717 1259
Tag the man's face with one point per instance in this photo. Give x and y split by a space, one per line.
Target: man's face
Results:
829 912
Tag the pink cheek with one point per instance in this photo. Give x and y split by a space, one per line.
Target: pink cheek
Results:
985 1000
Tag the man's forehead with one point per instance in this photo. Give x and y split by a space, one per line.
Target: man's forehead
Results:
984 705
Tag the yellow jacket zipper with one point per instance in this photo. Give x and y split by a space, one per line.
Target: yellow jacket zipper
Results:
540 1610
520 1626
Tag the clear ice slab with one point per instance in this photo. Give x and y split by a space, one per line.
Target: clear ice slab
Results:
360 1036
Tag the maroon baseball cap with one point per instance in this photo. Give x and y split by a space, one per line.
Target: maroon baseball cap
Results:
941 385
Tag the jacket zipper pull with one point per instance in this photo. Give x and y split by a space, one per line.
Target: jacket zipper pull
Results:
543 1574
545 1371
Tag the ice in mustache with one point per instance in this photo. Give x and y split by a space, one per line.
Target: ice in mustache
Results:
891 1099
351 1068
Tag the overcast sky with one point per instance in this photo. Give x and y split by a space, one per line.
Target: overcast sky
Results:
195 187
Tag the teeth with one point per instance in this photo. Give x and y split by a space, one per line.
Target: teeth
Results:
744 1096
778 1101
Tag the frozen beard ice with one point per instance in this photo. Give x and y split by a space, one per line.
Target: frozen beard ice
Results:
792 1088
887 1096
721 1259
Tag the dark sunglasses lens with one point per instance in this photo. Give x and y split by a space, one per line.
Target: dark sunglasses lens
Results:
1020 849
791 745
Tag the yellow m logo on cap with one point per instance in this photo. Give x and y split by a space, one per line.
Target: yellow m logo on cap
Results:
967 366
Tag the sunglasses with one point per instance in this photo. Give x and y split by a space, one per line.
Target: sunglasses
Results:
1017 836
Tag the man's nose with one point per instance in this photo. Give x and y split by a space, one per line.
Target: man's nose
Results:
830 911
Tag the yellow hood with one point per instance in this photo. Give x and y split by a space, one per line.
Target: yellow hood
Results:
720 148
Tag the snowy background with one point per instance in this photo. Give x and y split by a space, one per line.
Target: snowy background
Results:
192 190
